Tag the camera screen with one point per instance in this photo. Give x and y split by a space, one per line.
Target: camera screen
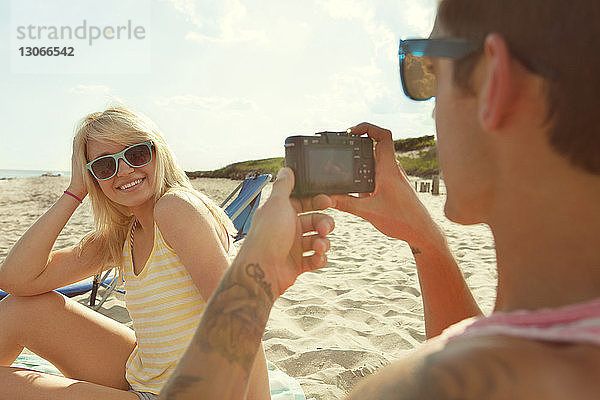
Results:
330 167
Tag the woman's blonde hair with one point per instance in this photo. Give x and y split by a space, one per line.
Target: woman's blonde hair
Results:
112 221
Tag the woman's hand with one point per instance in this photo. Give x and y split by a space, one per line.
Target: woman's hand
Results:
77 185
393 207
283 230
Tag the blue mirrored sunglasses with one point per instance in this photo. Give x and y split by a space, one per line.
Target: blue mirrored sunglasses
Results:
416 68
105 167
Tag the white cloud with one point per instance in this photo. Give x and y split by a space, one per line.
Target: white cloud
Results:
366 14
188 9
219 21
383 20
352 95
420 16
347 9
213 104
90 89
99 95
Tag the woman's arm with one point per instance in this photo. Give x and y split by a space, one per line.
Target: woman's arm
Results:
31 267
190 229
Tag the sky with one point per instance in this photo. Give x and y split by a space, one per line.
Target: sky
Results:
225 80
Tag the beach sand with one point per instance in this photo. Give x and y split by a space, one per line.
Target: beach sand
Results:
333 326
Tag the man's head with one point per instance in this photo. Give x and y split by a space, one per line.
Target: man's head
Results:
556 39
515 85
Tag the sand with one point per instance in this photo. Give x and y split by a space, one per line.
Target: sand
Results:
333 326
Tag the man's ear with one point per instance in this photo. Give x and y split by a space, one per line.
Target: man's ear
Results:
496 95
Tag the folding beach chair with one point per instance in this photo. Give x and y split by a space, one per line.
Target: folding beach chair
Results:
109 281
240 210
80 287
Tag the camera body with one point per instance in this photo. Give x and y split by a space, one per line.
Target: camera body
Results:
330 163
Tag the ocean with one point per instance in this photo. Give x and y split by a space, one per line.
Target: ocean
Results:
29 173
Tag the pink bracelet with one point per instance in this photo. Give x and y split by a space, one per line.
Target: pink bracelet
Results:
73 196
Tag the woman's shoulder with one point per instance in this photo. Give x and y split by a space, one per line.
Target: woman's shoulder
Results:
181 214
177 203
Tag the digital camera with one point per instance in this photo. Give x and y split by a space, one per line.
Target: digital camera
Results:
330 163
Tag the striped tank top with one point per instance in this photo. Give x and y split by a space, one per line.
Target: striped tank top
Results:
165 307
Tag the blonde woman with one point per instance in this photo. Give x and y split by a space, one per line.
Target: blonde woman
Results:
170 243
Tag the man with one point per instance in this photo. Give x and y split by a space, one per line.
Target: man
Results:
516 86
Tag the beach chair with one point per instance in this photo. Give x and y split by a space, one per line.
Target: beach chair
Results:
80 287
109 280
240 210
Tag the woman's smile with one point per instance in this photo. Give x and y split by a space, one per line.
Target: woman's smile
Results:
131 185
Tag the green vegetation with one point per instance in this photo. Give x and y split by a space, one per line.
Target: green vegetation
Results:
411 144
241 170
424 165
417 156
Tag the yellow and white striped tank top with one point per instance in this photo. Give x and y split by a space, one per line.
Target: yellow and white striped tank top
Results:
165 307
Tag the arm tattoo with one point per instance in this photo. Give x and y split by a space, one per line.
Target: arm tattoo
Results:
476 378
235 319
483 376
255 272
415 250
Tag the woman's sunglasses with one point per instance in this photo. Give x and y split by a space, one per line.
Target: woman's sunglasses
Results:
136 156
416 67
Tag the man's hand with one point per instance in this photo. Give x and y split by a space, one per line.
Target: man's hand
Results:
286 236
395 210
393 207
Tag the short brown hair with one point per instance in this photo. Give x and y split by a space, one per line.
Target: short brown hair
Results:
557 39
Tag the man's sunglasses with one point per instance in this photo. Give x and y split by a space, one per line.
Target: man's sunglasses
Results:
106 167
416 67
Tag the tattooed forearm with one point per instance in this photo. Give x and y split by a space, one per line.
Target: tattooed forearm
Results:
219 361
234 321
415 250
255 272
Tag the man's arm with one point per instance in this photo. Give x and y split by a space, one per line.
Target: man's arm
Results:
395 210
446 297
219 360
220 357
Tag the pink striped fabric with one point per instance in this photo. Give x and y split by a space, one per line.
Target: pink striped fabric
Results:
578 323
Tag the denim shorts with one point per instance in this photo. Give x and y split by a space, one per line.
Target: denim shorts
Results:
144 395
